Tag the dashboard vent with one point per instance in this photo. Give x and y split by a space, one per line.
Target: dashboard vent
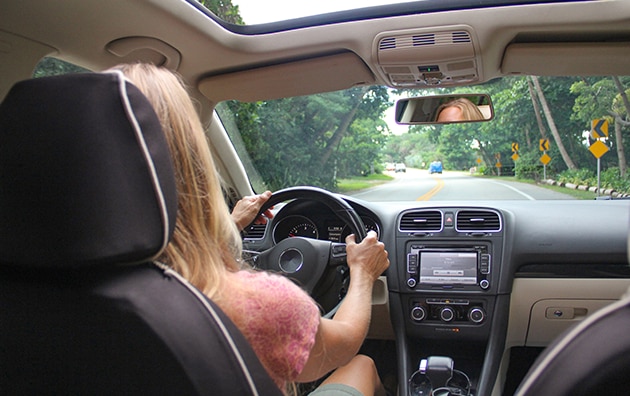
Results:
423 221
478 220
255 231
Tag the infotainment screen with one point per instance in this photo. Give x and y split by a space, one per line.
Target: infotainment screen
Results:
448 268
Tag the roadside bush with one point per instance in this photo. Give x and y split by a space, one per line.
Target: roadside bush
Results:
609 179
578 176
528 166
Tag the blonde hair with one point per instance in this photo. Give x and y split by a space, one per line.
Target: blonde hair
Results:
469 110
206 242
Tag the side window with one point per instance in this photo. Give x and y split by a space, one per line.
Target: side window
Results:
52 66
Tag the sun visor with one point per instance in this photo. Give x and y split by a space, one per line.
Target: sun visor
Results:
303 77
567 59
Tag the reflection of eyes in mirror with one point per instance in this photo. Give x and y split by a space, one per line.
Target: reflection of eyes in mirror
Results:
443 109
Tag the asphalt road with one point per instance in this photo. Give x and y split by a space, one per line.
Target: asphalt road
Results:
419 185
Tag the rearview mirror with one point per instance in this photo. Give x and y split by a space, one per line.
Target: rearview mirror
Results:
444 109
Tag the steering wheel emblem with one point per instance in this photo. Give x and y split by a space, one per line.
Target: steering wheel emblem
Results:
291 261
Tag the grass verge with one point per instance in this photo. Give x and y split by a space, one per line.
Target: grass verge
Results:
578 194
362 182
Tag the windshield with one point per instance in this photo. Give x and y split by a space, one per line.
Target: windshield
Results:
540 143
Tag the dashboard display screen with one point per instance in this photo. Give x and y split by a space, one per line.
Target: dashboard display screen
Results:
448 268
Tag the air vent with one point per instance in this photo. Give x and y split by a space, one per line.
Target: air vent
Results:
387 43
255 231
461 37
423 221
424 39
478 220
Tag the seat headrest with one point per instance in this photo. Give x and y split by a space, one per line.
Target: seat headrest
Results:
85 174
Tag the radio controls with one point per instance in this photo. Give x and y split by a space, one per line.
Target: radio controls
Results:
432 311
484 264
476 315
484 284
412 270
418 313
447 314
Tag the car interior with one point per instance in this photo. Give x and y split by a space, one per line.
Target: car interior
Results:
79 242
485 295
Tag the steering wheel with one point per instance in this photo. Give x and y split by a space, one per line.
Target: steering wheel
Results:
314 264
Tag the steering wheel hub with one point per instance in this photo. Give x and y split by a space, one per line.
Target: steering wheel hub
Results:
291 260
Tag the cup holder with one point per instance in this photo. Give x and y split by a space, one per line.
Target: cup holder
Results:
436 376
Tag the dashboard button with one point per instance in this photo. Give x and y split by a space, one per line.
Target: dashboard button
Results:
447 314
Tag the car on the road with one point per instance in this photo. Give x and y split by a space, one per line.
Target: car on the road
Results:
484 270
435 167
400 167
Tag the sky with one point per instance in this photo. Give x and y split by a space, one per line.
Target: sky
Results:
257 11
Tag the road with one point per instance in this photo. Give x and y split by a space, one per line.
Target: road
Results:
419 185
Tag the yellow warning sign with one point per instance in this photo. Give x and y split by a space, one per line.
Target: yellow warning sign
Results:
598 149
545 159
543 144
599 128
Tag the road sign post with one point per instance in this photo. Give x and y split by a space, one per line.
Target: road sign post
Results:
599 132
544 146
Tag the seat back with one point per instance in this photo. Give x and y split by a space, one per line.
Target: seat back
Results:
87 202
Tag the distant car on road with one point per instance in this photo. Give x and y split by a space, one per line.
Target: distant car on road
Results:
400 167
435 167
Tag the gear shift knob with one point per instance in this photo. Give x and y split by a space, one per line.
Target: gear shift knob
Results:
438 369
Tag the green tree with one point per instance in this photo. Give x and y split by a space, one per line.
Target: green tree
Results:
224 9
53 67
604 98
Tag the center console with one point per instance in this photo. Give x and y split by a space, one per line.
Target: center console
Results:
445 298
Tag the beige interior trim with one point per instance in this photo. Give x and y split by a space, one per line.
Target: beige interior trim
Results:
529 324
18 58
562 59
146 49
327 73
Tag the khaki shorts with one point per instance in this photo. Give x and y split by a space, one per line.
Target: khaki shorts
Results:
335 390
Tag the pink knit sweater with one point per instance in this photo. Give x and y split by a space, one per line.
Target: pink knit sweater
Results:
278 319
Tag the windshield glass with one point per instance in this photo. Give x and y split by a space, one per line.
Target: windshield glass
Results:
542 135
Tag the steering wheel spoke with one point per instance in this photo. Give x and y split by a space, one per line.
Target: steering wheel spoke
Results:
337 254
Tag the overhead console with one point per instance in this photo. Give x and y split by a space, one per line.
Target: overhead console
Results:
428 57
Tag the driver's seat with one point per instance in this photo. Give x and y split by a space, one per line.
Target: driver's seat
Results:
87 202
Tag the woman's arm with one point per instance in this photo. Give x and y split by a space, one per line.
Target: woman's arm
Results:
247 207
338 340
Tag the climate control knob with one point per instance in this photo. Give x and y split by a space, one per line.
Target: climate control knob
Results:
418 313
447 314
476 315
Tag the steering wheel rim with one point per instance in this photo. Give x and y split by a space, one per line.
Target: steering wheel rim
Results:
311 261
333 202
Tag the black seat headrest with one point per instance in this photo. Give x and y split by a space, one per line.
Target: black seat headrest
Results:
85 174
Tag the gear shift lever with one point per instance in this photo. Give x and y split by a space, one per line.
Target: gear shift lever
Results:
438 369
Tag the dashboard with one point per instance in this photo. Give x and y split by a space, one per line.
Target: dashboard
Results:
314 220
474 282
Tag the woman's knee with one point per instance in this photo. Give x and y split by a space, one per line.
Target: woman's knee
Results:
364 363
